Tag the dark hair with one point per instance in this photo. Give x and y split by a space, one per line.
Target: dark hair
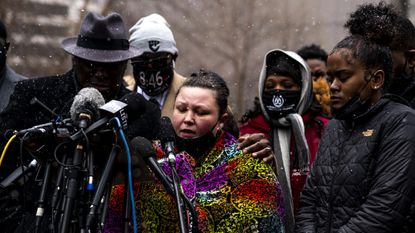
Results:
404 38
251 113
371 54
3 30
212 81
312 51
382 21
284 65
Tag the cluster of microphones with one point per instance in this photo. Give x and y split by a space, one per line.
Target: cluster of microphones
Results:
89 114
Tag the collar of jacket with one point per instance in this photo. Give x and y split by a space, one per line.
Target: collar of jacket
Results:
376 108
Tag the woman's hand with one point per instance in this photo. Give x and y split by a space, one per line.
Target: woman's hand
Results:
258 145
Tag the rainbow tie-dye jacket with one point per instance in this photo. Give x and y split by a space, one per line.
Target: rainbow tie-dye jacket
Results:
231 191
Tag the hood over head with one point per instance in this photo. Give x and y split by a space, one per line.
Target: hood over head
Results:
306 81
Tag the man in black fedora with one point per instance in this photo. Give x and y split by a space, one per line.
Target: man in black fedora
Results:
100 55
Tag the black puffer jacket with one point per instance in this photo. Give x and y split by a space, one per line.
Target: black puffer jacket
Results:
363 178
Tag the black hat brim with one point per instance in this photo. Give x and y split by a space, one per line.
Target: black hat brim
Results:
96 55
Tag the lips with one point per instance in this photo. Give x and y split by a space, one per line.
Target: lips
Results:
187 133
335 99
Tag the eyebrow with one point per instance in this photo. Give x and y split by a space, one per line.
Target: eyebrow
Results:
337 72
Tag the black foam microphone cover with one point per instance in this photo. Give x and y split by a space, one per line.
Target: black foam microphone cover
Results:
136 104
145 152
166 133
167 136
143 116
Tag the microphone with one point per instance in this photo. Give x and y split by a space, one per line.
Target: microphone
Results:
145 151
136 104
143 116
116 108
17 173
84 108
167 138
37 129
59 128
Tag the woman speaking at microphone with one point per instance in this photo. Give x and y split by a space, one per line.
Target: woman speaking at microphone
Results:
230 191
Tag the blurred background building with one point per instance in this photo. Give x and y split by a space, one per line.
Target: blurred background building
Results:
229 37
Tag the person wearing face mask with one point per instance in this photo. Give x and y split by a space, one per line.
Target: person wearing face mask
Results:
153 68
380 18
285 90
8 77
231 190
157 80
362 179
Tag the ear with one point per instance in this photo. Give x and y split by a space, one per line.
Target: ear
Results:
223 119
378 79
410 56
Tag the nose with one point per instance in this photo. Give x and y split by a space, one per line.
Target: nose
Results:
100 73
335 85
189 118
278 86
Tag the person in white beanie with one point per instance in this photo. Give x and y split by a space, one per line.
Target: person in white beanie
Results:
153 69
155 76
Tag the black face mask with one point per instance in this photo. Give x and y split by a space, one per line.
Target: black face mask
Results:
279 103
153 81
354 107
196 147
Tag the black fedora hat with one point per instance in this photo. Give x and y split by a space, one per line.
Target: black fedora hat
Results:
101 39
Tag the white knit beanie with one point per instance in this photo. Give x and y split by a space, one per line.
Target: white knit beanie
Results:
152 34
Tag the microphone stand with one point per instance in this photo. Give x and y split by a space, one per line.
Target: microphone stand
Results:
91 219
56 197
73 185
41 202
104 206
176 187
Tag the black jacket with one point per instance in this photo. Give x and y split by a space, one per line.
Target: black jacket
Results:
363 178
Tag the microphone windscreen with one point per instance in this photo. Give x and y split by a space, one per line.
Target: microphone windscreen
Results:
143 147
166 133
136 104
88 100
143 116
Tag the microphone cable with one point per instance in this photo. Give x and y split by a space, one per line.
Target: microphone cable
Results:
130 179
6 147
